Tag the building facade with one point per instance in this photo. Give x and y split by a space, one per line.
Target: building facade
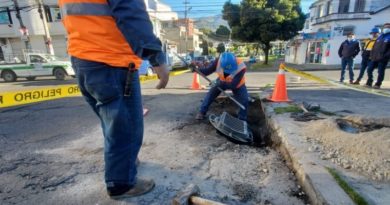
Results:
14 39
327 25
188 40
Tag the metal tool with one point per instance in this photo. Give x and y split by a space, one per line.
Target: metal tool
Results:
189 196
129 79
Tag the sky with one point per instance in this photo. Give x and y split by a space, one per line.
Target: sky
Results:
211 7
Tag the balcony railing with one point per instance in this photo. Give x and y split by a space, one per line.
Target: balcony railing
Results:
343 16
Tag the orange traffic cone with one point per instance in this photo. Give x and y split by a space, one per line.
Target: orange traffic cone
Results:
280 90
196 83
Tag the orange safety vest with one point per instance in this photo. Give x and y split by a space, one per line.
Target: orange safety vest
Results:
93 34
240 66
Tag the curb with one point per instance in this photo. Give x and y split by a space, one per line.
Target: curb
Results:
16 98
317 182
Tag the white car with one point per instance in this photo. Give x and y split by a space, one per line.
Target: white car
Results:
35 65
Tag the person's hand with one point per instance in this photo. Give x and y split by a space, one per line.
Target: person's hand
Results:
163 74
192 67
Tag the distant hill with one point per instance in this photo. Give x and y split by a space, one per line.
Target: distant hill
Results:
210 22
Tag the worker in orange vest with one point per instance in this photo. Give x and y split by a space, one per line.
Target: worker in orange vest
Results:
231 76
107 41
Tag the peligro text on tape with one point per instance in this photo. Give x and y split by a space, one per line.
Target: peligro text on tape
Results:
30 96
37 94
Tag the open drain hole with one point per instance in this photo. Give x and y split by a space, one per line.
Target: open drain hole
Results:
355 128
256 118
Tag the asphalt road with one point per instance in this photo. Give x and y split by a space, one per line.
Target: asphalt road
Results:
51 152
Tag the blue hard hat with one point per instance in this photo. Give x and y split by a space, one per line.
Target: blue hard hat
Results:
375 30
228 62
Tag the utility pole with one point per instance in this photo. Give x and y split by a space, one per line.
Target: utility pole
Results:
23 29
49 45
186 23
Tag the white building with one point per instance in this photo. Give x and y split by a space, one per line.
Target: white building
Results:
12 42
328 24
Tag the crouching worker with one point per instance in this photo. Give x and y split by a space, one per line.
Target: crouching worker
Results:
231 76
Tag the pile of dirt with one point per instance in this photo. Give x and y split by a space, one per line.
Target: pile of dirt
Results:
366 151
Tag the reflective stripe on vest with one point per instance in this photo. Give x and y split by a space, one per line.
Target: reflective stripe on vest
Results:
93 33
86 9
240 66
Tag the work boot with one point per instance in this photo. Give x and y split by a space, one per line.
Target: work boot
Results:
142 187
351 82
369 85
357 82
377 87
200 116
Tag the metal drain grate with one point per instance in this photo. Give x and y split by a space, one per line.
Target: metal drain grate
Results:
232 127
233 123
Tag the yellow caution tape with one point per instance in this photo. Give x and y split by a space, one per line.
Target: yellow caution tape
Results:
305 75
332 82
15 98
31 96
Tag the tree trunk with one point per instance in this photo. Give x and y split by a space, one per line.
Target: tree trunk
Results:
257 49
267 47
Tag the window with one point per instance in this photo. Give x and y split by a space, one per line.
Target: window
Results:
320 11
344 6
37 59
328 8
53 14
5 16
360 5
348 29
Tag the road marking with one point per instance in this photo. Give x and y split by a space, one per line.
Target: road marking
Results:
336 83
15 98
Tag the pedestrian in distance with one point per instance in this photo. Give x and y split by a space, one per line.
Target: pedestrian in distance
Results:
380 56
366 53
107 41
348 50
231 76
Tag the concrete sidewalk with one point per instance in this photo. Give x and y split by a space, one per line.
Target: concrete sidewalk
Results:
309 151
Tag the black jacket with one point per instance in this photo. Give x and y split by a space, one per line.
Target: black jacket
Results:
381 49
349 49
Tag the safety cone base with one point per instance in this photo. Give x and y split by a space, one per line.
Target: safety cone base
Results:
196 83
278 100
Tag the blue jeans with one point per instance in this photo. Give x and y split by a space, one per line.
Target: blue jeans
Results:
121 116
344 63
240 94
365 63
381 65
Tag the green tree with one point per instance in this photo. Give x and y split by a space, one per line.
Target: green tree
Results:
264 21
205 31
223 31
221 48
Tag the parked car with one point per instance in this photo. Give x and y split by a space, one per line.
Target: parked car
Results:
211 58
34 65
201 61
252 59
146 68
